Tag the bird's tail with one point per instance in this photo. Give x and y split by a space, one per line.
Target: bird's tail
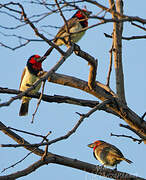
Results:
127 160
24 108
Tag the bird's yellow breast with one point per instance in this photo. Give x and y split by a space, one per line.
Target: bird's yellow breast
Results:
28 80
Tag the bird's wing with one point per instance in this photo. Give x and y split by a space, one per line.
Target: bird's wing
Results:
22 77
70 24
116 152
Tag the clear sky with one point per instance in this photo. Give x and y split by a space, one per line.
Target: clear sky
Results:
60 118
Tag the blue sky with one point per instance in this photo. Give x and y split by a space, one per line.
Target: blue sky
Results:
60 118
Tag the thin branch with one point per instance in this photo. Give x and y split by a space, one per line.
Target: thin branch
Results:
110 66
28 170
39 101
127 38
130 137
143 28
133 130
16 47
65 22
26 132
143 116
18 162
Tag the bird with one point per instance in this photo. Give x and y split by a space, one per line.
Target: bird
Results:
28 78
107 154
76 23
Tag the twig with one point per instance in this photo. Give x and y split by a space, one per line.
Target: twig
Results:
18 162
46 152
110 66
143 28
65 22
127 38
143 116
130 137
26 132
39 101
133 130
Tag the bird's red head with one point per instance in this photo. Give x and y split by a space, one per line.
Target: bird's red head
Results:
95 144
82 15
34 65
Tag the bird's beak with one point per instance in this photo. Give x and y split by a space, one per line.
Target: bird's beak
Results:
89 12
41 59
91 145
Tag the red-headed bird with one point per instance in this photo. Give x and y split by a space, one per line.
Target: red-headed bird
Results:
107 154
78 22
28 78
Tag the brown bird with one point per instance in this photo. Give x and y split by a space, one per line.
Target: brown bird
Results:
28 78
78 22
107 154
